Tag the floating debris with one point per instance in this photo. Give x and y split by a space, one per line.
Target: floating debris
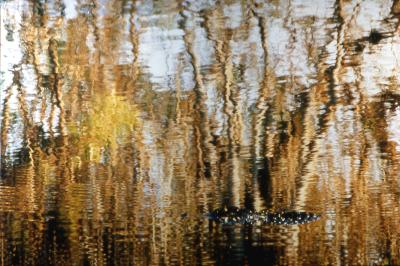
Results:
375 37
234 215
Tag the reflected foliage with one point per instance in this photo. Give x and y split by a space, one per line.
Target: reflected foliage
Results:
123 123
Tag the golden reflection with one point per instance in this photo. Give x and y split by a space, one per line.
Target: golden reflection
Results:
124 122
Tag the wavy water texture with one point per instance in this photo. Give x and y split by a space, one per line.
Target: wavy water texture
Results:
123 123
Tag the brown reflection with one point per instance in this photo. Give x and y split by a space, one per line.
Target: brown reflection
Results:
124 122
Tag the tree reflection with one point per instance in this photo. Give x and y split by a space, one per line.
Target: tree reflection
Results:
123 122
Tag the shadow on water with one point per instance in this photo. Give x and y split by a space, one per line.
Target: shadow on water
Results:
123 123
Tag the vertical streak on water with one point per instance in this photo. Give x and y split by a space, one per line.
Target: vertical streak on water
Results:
2 105
198 94
1 100
330 106
261 160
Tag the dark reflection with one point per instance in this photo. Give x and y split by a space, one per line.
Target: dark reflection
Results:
123 123
242 247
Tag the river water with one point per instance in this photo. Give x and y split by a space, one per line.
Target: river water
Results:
124 122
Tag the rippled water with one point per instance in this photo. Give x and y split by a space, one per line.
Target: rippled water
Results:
124 122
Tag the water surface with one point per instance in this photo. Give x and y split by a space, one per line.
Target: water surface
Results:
124 122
